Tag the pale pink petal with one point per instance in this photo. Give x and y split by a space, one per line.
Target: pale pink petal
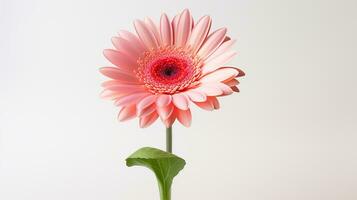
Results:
118 74
146 111
165 112
199 33
206 105
225 88
118 82
212 43
218 62
120 60
133 39
180 101
223 48
219 75
126 47
127 113
210 90
166 30
153 28
196 96
148 120
146 36
145 102
184 26
184 117
107 94
163 100
131 99
127 89
174 24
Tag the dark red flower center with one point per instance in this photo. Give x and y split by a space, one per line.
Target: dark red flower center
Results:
169 70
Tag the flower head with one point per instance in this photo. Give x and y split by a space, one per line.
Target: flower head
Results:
163 69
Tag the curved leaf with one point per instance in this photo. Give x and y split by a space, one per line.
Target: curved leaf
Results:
165 166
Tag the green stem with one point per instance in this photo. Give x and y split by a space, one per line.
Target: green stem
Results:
169 139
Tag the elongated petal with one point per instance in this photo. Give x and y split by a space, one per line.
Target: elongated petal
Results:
218 62
174 24
166 30
180 101
127 89
235 88
210 90
232 82
165 112
212 43
127 113
225 89
146 102
169 121
107 94
223 48
126 47
163 100
196 96
214 102
133 39
118 74
219 75
199 33
131 99
206 105
110 83
154 29
120 60
183 28
148 120
146 36
146 111
184 117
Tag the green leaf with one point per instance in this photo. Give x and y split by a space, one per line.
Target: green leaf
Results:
165 166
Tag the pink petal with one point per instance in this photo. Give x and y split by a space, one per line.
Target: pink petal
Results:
219 75
126 47
214 102
212 43
225 88
153 28
110 83
223 48
199 33
120 60
165 112
107 94
210 90
133 39
174 24
184 26
127 89
118 74
127 112
184 117
163 100
232 82
148 120
145 102
146 111
131 99
169 121
218 61
146 36
196 96
180 101
166 30
206 105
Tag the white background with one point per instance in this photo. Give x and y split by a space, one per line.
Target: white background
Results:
291 134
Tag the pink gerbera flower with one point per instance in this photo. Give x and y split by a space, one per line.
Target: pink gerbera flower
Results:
163 69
